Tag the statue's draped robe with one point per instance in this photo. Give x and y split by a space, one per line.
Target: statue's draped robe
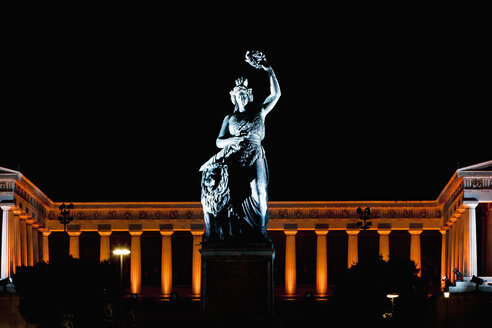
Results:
247 171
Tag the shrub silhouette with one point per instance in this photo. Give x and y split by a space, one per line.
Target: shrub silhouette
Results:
67 286
361 294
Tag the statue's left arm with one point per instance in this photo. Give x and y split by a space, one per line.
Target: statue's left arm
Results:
272 99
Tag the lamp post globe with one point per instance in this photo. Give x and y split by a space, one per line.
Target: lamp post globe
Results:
121 252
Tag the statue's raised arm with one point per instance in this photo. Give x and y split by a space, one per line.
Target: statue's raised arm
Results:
258 60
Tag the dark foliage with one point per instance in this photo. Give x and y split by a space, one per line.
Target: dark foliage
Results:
361 295
67 287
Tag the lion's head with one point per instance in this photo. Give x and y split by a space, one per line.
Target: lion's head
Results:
215 190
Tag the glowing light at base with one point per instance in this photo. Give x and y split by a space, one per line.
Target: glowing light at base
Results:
121 251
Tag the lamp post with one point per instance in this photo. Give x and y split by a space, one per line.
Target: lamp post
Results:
65 219
365 216
392 297
121 252
446 297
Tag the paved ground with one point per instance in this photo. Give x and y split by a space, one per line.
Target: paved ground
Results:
459 311
181 312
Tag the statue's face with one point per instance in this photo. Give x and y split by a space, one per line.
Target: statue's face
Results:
242 98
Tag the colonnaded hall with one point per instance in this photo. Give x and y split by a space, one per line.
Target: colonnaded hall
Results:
314 241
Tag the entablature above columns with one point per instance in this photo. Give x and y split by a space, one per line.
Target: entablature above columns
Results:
478 187
468 183
23 194
473 182
274 224
277 210
305 214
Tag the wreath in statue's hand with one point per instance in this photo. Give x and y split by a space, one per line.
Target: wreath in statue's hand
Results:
256 59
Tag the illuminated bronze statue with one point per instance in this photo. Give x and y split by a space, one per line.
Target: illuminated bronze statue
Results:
234 181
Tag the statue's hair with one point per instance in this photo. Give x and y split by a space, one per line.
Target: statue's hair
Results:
241 85
213 201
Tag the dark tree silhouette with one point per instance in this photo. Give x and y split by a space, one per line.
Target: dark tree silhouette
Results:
361 294
68 286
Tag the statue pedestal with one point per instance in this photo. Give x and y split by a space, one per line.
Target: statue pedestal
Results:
237 281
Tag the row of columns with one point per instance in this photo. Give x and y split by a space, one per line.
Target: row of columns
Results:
460 242
166 258
26 252
21 245
352 253
136 231
290 255
459 250
487 245
166 231
20 241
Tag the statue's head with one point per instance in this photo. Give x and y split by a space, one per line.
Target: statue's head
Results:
241 94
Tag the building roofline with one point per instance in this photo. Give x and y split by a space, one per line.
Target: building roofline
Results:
484 166
443 196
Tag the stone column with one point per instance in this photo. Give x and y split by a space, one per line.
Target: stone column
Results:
449 251
443 255
456 245
104 231
30 250
470 263
290 231
74 249
415 230
23 233
11 239
488 232
321 260
17 241
166 260
35 243
451 247
384 247
135 259
7 260
46 245
353 248
452 253
456 251
197 231
461 242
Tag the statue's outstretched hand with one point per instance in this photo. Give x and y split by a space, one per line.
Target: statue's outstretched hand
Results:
256 59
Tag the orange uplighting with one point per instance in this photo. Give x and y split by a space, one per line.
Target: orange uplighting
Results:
290 262
197 264
166 265
321 264
352 249
415 255
135 263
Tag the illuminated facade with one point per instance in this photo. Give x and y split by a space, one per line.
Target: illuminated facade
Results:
29 220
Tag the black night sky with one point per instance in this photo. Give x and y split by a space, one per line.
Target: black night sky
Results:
107 105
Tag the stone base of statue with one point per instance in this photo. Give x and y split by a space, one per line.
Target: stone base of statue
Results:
237 281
